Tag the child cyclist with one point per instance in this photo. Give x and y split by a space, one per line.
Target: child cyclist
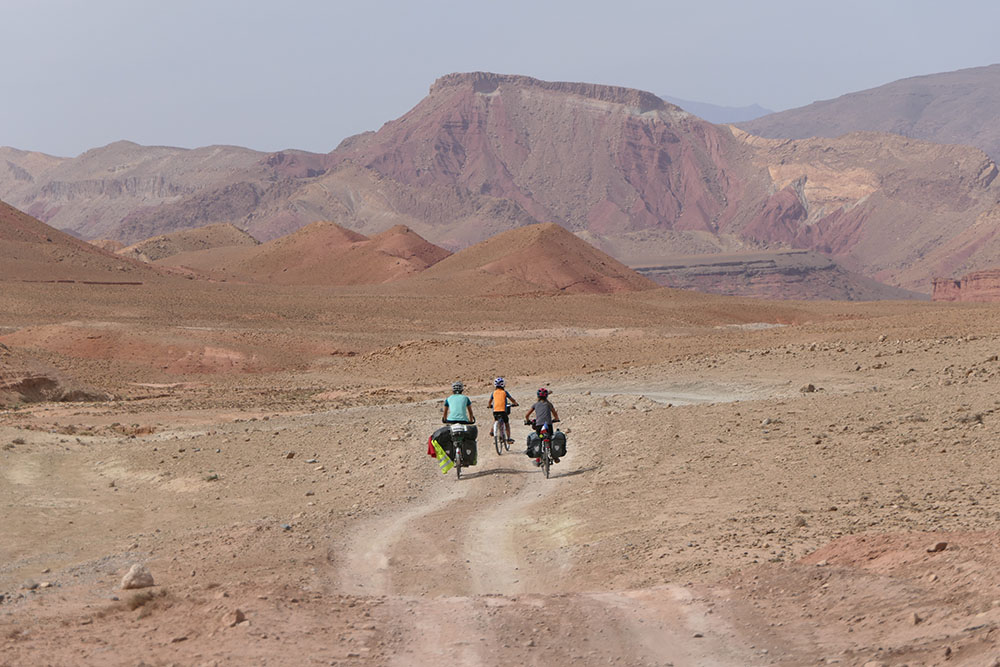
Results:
500 403
545 413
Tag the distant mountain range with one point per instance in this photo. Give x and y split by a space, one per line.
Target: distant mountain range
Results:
948 108
628 172
714 113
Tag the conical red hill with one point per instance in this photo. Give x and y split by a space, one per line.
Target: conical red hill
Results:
324 253
543 257
30 250
402 242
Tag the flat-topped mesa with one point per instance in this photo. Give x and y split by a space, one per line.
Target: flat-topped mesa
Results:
487 82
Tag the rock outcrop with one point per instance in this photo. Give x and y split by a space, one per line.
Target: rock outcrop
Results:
794 274
27 380
976 286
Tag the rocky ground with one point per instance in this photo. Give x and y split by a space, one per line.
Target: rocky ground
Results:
747 483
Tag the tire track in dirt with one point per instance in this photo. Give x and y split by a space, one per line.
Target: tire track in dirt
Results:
368 567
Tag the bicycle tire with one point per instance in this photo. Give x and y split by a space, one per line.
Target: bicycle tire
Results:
546 457
458 460
497 427
506 437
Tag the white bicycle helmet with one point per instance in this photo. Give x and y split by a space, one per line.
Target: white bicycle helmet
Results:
498 383
457 386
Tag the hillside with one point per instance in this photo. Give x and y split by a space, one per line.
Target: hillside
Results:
949 108
32 251
537 258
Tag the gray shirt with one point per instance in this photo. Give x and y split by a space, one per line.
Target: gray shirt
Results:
543 412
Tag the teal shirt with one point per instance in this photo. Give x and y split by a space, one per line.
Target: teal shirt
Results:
458 407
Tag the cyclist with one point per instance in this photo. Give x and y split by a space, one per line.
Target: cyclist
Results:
458 407
501 402
545 413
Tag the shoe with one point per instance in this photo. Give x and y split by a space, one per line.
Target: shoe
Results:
555 459
510 441
538 463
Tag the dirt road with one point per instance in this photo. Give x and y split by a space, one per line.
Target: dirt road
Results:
459 587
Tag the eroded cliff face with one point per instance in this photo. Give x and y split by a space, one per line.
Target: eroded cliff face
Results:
983 286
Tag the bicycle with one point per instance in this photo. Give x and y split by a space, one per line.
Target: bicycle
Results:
545 460
501 436
459 433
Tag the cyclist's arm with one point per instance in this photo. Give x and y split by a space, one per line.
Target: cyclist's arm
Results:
512 401
444 417
490 404
555 415
528 416
471 416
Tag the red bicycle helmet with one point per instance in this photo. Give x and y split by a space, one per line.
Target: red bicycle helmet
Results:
543 393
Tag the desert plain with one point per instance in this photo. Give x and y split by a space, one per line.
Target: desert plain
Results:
747 482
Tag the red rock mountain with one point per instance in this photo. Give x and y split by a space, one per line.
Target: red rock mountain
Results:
486 153
950 108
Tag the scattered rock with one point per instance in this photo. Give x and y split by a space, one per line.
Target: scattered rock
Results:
807 389
915 618
29 585
939 546
233 618
137 577
290 455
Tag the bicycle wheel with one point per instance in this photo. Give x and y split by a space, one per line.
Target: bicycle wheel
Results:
546 457
498 436
458 460
506 436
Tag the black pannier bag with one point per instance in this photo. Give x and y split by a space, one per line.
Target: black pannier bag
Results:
559 445
469 450
534 445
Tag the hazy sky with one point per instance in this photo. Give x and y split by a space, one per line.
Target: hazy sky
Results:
305 74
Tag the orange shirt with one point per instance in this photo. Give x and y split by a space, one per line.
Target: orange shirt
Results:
499 400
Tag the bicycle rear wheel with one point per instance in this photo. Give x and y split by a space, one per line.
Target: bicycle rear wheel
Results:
498 436
458 460
546 458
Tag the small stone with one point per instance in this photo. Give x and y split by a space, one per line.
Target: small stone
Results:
233 618
30 585
915 618
939 546
807 389
290 455
137 577
697 635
